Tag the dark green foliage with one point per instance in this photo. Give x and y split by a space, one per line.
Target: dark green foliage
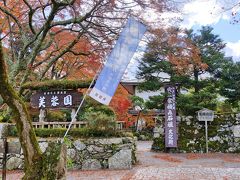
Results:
138 101
4 116
98 116
191 135
153 63
156 102
211 48
188 104
230 83
55 116
56 84
83 132
104 109
216 146
91 105
67 114
100 121
205 88
224 107
158 144
145 134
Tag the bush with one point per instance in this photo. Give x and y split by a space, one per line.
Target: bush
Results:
100 121
4 116
91 105
80 133
67 114
158 144
55 116
144 135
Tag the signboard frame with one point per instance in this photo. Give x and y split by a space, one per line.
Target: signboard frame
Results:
56 99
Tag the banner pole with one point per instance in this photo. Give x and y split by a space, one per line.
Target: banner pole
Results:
112 61
80 105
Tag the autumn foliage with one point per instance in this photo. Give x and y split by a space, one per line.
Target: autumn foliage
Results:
121 104
178 49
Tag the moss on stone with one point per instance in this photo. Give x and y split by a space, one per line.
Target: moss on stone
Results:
57 84
191 135
47 168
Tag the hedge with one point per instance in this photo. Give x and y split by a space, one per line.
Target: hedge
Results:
75 132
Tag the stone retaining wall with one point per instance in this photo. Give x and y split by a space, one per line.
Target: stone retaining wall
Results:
223 134
86 154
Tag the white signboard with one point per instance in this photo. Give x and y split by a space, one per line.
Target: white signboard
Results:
205 115
236 131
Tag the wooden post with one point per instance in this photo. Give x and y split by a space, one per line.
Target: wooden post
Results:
138 116
4 161
206 135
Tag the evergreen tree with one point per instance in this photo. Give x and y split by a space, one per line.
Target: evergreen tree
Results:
230 82
194 60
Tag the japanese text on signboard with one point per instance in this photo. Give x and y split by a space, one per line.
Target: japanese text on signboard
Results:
170 118
56 99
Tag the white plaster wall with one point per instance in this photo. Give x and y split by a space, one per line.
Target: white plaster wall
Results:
145 94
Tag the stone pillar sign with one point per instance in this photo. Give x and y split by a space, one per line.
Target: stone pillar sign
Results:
170 117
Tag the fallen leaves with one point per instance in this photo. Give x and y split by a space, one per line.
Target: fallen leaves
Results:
168 158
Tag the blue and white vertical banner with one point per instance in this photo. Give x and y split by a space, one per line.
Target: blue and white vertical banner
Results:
117 61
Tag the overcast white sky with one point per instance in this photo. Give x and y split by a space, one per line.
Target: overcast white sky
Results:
199 13
214 13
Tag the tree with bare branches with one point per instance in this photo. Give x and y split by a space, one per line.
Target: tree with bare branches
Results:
46 39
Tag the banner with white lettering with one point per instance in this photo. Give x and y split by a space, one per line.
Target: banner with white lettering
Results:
117 61
170 117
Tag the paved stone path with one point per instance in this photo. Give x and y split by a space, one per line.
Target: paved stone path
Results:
161 166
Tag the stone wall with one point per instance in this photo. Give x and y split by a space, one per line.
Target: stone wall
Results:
223 133
86 154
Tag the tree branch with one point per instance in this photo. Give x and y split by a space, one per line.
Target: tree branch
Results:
30 16
64 51
12 16
25 130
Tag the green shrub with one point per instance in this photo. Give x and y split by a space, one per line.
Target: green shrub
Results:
82 132
145 134
4 116
128 134
158 144
55 116
67 114
92 106
100 121
106 110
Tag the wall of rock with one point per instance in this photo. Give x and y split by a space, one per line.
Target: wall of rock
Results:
86 154
223 134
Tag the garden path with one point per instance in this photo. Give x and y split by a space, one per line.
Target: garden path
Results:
158 166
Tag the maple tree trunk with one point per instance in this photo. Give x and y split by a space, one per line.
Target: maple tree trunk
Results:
138 116
196 80
34 161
